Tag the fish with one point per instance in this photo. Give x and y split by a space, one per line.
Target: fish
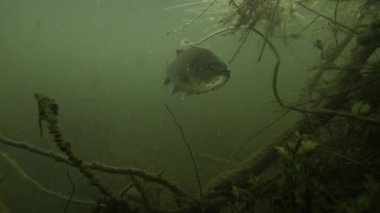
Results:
195 71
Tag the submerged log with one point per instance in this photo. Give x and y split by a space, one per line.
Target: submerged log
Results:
219 192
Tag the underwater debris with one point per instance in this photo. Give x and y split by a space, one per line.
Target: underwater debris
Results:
48 111
46 107
20 170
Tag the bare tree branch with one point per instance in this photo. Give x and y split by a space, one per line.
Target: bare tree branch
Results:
97 166
41 187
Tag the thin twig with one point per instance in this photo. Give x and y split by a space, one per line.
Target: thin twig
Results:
335 18
125 190
34 182
275 52
332 54
370 120
72 191
185 5
242 42
195 19
188 149
220 31
328 18
338 155
296 34
258 132
340 93
269 29
143 194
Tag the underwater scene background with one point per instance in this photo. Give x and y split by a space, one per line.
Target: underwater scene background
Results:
104 63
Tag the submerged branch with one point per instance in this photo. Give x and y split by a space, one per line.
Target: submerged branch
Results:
194 20
220 31
97 166
330 112
297 34
144 196
359 55
269 29
72 191
262 129
328 18
188 149
219 192
314 77
41 187
48 111
237 51
370 120
185 5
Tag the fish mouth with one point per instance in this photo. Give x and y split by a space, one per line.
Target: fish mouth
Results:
212 84
217 82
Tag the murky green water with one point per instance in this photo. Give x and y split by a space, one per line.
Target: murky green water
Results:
104 63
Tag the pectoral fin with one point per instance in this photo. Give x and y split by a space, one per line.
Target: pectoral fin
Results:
176 89
186 94
167 81
178 52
